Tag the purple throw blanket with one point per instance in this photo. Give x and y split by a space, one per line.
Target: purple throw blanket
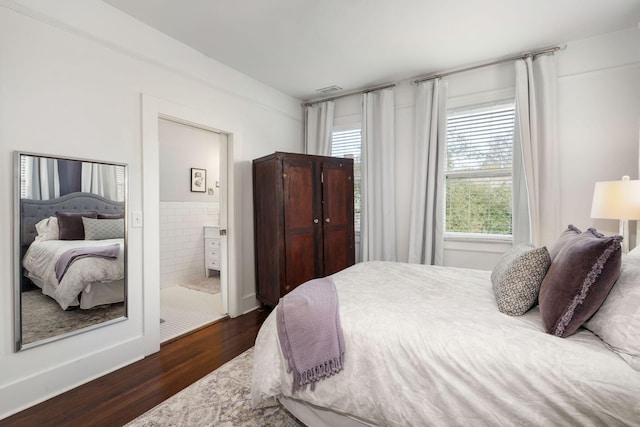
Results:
68 257
310 333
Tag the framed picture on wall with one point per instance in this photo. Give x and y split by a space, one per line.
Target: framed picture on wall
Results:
198 180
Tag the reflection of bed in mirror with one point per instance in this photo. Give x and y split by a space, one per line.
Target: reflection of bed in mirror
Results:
50 228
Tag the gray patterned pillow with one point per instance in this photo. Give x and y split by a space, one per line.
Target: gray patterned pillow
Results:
100 229
517 277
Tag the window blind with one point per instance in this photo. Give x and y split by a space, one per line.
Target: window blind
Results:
121 183
348 144
478 169
480 139
24 172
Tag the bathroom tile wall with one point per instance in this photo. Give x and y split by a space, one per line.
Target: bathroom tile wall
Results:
182 240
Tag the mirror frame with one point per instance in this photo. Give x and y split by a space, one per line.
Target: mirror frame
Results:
17 264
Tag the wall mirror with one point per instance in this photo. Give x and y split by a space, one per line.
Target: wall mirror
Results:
70 246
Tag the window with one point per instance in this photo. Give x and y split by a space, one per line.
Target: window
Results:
121 182
25 171
347 143
478 169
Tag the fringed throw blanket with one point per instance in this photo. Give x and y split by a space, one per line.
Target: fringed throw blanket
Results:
310 333
68 257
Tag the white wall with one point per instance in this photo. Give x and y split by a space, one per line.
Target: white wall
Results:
599 118
184 147
71 77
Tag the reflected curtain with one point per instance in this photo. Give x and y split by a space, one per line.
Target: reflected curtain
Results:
319 128
427 209
535 153
41 179
100 179
378 203
70 175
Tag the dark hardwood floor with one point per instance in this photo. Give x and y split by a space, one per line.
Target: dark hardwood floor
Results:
119 397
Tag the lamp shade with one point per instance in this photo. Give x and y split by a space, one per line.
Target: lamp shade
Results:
616 199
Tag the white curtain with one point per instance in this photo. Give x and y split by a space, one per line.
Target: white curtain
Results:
41 179
536 199
427 209
319 127
378 204
100 179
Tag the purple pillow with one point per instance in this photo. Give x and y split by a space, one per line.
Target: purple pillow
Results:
583 270
565 238
70 224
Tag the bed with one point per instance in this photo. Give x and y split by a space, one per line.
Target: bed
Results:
429 345
77 221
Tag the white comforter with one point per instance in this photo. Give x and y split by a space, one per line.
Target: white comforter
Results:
40 261
427 345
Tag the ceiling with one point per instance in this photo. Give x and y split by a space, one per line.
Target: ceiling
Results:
299 46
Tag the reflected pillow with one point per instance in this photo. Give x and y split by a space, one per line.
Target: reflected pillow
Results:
517 277
617 322
110 216
101 229
47 229
70 224
583 271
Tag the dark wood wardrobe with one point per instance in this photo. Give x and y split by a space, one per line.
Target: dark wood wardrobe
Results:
303 220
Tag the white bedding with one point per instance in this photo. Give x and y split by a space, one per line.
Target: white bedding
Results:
40 260
427 345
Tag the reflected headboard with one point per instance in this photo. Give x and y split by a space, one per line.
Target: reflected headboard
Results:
32 211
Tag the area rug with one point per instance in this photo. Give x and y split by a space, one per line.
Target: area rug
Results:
43 318
222 398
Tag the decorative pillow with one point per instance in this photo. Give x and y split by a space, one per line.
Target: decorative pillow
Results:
517 277
70 224
564 239
47 229
581 274
617 322
110 216
100 229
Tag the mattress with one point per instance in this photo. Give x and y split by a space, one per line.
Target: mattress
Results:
84 276
428 345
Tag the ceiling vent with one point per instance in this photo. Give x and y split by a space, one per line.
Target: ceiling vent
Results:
329 89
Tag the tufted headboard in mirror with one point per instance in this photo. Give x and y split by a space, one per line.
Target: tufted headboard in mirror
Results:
33 211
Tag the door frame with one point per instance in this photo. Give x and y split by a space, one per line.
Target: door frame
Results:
154 109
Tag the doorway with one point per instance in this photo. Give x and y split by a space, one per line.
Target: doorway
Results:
192 279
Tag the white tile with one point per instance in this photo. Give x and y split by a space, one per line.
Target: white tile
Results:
184 310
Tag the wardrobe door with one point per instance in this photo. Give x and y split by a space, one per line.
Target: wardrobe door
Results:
301 220
338 228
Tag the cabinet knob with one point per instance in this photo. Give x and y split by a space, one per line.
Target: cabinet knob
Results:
327 219
315 220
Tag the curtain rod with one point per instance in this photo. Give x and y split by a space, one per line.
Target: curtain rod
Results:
552 49
534 53
353 92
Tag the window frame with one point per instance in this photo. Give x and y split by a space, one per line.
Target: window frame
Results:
461 103
347 126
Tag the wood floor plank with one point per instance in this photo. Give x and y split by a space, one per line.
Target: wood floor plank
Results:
121 396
